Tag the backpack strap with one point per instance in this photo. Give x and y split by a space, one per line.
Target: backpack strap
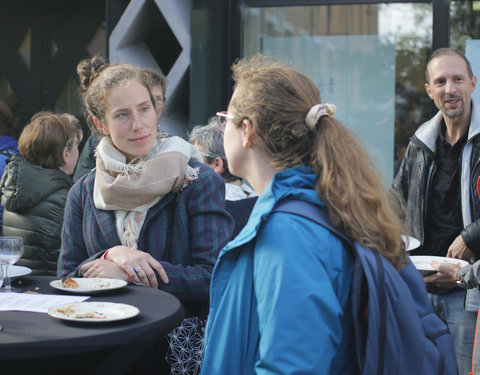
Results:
309 211
318 215
359 312
382 301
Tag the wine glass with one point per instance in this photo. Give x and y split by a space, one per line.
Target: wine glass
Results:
11 250
2 274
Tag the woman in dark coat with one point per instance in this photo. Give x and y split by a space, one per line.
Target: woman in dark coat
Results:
150 212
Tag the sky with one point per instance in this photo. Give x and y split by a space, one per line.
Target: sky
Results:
398 19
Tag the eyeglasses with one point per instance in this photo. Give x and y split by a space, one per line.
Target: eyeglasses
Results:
222 119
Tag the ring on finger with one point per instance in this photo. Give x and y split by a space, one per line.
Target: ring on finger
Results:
137 269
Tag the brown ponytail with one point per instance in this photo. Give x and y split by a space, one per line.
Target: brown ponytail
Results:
276 99
349 184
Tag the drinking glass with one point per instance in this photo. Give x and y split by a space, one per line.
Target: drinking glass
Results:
2 274
11 250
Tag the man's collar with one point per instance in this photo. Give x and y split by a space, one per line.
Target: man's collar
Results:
443 130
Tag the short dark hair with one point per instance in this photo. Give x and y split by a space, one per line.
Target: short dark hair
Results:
154 78
450 52
42 141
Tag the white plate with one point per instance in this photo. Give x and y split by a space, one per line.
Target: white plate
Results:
90 285
411 243
422 263
101 311
17 271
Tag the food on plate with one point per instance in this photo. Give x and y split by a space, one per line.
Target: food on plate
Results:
87 285
69 311
423 263
69 283
457 262
102 285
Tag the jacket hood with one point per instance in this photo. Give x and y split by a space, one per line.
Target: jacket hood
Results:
24 185
428 132
293 183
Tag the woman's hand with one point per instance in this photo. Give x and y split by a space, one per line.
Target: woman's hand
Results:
140 266
446 275
103 268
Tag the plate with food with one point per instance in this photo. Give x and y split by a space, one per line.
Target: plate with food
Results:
80 285
93 312
411 243
422 263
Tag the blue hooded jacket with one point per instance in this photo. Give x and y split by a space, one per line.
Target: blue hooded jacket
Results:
280 292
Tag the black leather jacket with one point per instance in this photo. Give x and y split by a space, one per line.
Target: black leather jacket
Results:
413 182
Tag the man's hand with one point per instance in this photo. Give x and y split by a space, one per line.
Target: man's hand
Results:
446 275
459 250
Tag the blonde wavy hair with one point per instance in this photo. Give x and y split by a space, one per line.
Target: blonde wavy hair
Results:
276 99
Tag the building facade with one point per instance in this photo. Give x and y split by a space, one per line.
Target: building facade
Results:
367 57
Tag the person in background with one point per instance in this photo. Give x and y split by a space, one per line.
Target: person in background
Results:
158 84
239 197
280 292
34 188
150 212
437 180
208 140
8 141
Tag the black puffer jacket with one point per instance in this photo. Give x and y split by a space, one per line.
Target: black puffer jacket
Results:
34 200
413 179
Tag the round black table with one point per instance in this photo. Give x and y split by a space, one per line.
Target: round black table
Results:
38 343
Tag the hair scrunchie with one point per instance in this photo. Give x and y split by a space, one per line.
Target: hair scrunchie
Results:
317 111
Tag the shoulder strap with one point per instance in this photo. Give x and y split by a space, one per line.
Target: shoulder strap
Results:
382 301
309 211
319 216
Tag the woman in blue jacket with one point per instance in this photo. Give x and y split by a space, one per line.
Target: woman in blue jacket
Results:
280 291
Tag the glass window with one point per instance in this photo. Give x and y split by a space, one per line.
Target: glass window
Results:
464 23
465 33
367 59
